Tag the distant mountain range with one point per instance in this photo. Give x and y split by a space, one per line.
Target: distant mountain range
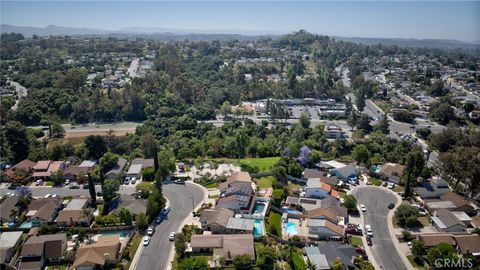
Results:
222 34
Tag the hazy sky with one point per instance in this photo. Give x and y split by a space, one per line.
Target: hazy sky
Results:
405 19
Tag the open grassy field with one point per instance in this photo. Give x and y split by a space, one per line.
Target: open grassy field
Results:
263 164
298 262
265 182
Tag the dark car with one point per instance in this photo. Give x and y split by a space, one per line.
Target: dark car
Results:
369 241
391 205
179 182
85 187
385 184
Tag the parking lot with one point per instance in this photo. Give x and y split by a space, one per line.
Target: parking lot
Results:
296 111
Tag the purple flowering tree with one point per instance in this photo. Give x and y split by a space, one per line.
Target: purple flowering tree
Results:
305 153
286 152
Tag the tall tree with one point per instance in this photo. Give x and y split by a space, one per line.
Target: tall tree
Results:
91 189
95 146
16 140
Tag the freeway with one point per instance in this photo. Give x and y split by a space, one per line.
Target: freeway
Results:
183 199
376 201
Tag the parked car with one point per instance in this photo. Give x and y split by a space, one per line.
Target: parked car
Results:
171 237
159 220
67 182
85 186
150 230
409 243
165 211
363 208
369 241
38 182
146 240
353 231
179 182
48 196
385 184
391 205
369 231
133 181
391 185
74 186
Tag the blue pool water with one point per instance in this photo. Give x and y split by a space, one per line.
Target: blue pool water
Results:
258 228
291 228
259 208
114 233
26 225
290 211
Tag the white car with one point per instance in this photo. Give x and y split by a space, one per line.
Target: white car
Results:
38 182
48 196
391 185
150 231
146 240
363 208
171 237
409 243
369 231
67 182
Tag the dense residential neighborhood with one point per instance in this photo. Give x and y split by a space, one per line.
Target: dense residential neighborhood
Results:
190 152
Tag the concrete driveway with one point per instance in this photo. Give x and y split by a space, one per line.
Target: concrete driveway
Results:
384 249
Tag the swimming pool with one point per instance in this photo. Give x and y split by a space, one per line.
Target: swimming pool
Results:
259 208
290 211
258 228
115 233
291 228
26 225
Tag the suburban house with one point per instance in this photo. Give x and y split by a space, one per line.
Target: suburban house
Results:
46 168
42 211
240 225
468 244
88 164
433 239
105 252
215 220
24 165
307 204
9 204
461 203
134 170
39 249
237 193
317 189
312 173
117 170
135 206
226 246
239 177
73 172
446 221
77 204
392 172
145 162
325 229
70 218
316 258
325 253
335 214
9 241
432 189
338 169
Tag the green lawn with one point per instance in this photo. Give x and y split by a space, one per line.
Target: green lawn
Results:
211 185
298 262
375 181
355 241
263 164
56 267
137 238
415 265
265 182
49 184
276 220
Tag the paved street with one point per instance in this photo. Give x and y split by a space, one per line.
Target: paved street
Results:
65 191
156 254
376 201
21 92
